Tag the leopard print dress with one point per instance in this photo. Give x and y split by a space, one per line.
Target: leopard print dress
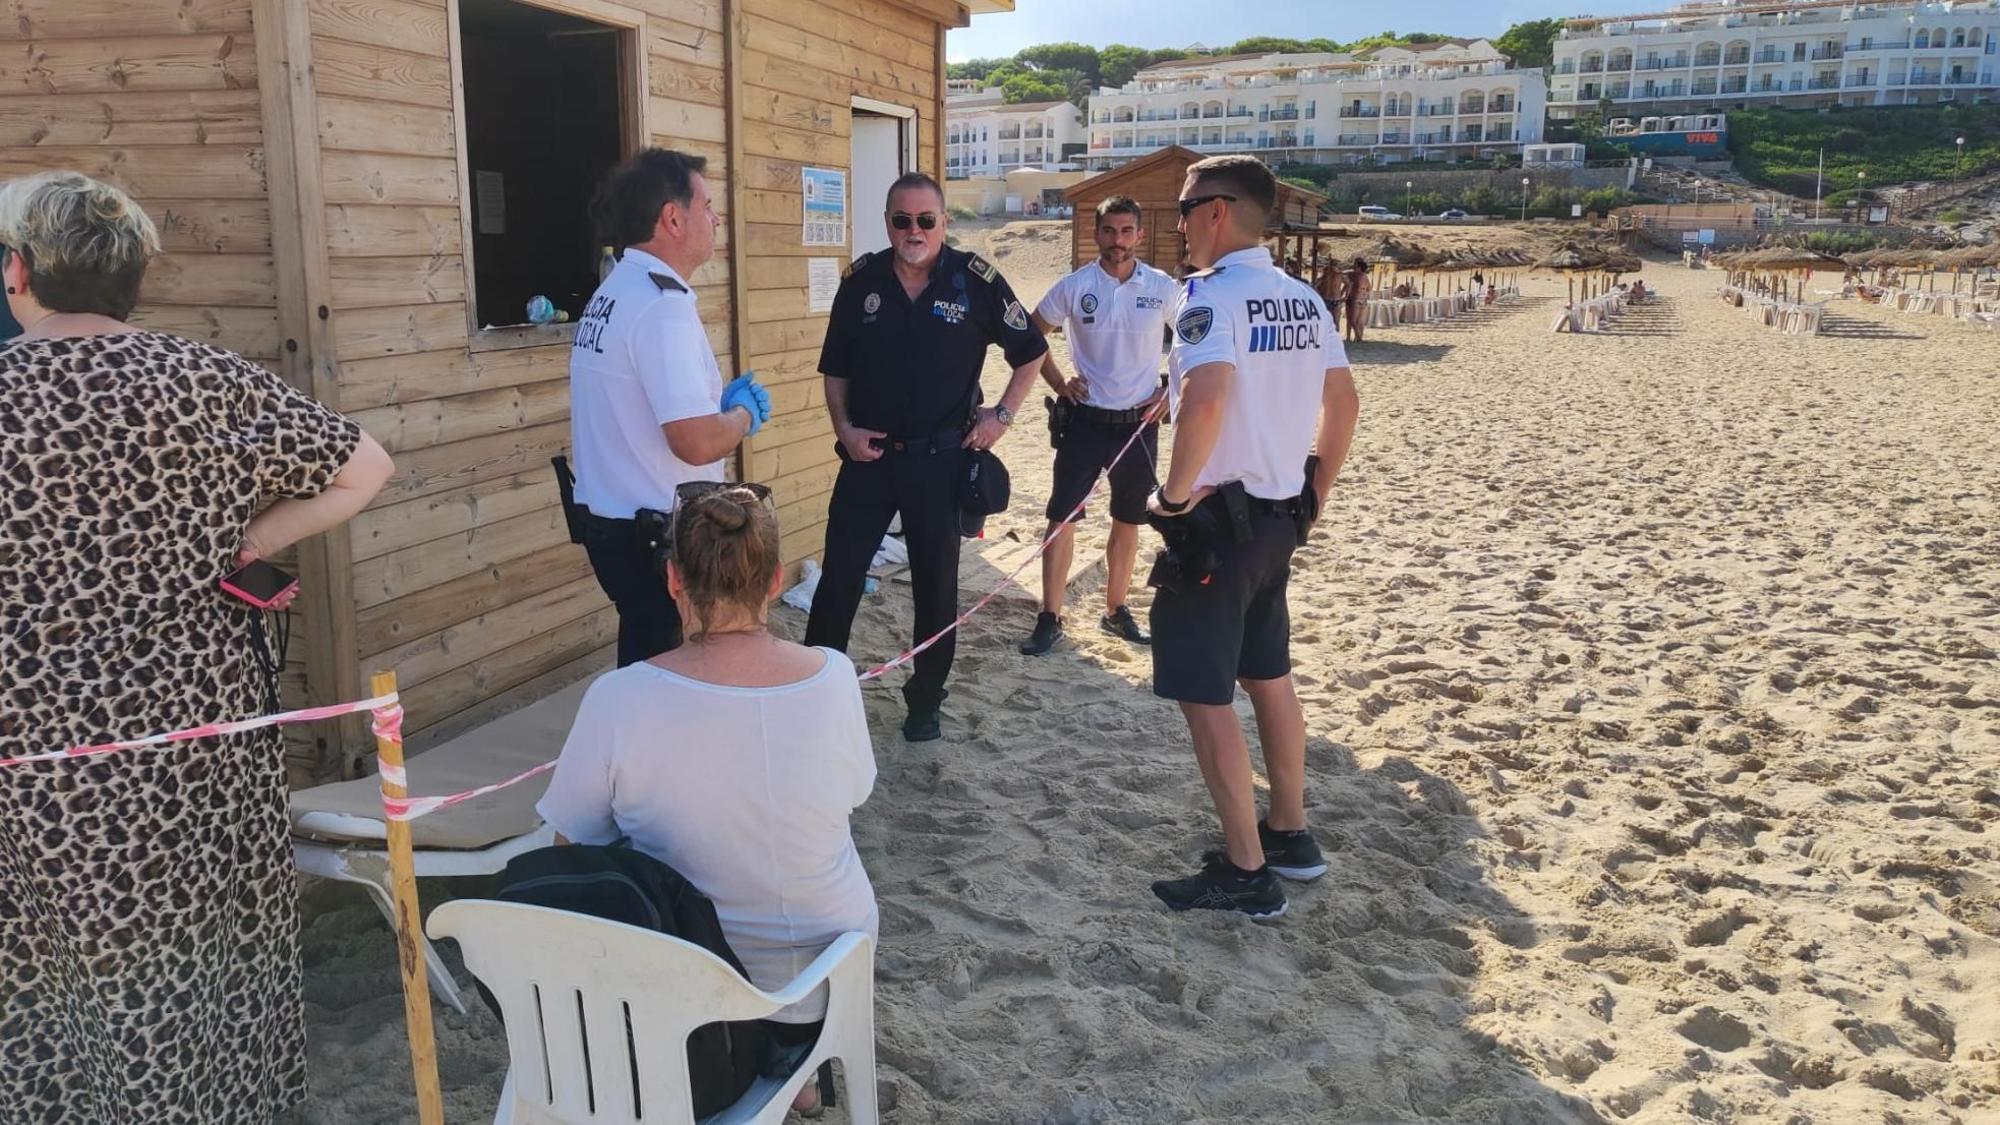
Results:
149 964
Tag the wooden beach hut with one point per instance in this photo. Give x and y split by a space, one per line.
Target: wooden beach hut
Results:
1154 182
364 194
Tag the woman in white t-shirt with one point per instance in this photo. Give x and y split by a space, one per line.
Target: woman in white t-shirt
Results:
734 759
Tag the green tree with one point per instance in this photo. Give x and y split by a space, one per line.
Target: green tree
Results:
1264 45
1530 44
1117 64
1061 56
975 68
1045 86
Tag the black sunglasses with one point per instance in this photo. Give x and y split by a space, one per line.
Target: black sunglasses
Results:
1189 204
686 494
901 221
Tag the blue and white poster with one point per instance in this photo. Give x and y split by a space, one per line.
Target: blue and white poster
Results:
826 207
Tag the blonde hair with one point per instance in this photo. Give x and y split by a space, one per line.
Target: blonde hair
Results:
726 546
86 243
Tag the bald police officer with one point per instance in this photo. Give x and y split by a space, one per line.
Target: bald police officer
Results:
1263 380
904 345
648 408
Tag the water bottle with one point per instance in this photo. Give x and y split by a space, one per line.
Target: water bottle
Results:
541 310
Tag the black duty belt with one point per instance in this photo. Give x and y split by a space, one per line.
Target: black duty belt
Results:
1098 417
928 443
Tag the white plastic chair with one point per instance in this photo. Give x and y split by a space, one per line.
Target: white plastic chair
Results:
598 1015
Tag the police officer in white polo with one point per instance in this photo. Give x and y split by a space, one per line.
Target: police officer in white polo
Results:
1262 381
649 410
1114 311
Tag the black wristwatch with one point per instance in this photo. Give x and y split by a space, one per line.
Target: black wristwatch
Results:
1171 508
1001 412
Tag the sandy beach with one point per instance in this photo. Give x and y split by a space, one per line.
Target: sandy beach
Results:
1652 682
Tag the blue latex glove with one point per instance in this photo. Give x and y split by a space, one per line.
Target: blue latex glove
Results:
746 392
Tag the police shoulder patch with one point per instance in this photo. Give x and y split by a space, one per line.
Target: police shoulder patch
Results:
1015 317
667 283
1194 324
1089 303
986 271
854 266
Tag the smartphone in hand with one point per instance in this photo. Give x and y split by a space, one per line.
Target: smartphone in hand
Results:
259 583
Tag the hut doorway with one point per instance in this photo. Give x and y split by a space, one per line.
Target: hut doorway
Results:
544 118
884 147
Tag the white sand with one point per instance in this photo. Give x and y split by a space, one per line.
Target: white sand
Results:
1653 689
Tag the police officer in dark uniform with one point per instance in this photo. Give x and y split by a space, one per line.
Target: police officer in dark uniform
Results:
904 346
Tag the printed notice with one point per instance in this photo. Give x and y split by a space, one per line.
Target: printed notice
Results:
489 193
825 207
822 281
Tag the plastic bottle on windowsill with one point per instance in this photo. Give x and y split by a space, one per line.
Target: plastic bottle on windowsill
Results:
541 310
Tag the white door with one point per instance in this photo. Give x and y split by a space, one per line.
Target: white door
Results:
878 159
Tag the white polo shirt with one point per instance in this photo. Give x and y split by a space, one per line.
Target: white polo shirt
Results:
1114 330
640 360
1276 331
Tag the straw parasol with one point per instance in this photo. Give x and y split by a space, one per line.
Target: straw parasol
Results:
1569 259
1973 257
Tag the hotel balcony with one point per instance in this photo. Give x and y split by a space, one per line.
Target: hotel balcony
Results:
1822 54
1862 79
1708 60
1770 55
1360 111
1353 140
1872 47
1824 82
1591 68
1736 58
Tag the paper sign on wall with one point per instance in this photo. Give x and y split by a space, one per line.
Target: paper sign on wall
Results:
822 281
825 206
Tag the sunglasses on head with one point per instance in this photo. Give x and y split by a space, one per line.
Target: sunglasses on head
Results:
1190 203
686 494
901 221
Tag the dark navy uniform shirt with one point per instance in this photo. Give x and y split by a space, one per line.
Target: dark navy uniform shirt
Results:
912 367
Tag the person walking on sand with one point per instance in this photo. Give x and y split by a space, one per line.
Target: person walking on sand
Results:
1357 299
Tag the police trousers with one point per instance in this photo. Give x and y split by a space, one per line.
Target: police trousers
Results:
923 483
648 621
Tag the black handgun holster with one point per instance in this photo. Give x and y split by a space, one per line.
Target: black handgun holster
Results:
1306 511
650 528
566 490
1192 552
1061 414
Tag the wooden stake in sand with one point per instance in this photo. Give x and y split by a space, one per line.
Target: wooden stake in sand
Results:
409 952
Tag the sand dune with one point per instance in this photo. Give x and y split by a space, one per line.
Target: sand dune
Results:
1653 689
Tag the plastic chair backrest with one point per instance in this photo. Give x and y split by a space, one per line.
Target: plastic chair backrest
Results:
598 1013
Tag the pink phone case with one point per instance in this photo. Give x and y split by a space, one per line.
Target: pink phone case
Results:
253 599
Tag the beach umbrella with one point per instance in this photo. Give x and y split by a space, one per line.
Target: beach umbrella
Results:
1973 257
1567 259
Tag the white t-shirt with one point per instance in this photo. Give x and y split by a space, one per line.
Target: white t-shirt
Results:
1276 331
1114 329
745 791
640 360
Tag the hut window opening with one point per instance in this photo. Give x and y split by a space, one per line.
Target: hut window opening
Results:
543 115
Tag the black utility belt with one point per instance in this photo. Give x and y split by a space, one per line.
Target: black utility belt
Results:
1099 417
925 443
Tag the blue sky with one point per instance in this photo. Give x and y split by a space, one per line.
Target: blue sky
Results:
1177 23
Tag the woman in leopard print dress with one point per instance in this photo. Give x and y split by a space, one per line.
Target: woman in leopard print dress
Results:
149 966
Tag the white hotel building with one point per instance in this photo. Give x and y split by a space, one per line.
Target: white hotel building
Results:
984 137
1705 57
1451 101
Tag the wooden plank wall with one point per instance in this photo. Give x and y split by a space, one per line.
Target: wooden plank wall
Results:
465 581
162 100
801 66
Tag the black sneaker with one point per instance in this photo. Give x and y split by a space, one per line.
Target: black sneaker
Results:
923 725
1220 886
1048 630
1294 855
1121 623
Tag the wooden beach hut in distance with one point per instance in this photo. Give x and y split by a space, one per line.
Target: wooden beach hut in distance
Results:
1154 182
364 195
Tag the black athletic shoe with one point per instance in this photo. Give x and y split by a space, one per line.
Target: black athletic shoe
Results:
1219 886
1122 624
1048 630
923 725
1294 855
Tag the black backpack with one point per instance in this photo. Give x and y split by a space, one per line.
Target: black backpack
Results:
621 884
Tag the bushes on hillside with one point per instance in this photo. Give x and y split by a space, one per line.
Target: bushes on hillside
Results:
1780 148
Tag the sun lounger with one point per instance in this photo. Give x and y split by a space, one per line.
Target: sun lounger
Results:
338 829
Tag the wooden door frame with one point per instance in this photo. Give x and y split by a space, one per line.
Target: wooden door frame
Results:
634 132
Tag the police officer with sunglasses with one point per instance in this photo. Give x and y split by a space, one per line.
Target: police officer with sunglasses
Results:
904 346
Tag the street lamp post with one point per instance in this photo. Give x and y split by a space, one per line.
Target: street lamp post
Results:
1407 185
1524 199
1958 161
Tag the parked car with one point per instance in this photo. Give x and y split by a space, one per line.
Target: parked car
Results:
1375 214
1453 213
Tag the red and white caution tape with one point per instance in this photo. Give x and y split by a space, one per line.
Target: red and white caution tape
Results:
211 730
410 808
911 653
